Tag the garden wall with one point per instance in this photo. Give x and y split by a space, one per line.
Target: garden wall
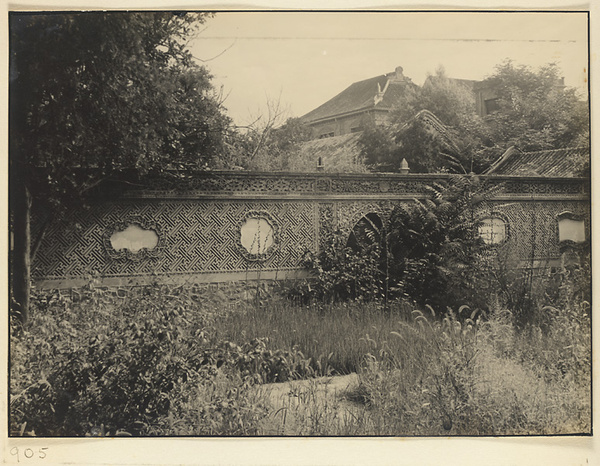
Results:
228 226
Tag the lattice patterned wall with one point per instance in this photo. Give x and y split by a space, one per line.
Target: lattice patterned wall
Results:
199 237
533 226
199 228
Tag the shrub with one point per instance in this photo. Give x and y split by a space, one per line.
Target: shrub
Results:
429 252
116 369
342 273
435 248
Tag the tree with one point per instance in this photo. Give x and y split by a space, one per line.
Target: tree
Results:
378 149
93 96
535 111
268 145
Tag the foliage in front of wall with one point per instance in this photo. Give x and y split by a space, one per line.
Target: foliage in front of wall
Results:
116 365
420 372
343 273
436 254
429 252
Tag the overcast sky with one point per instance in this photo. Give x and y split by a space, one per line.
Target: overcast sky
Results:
304 59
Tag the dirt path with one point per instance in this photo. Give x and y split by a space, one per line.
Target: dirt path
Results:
308 407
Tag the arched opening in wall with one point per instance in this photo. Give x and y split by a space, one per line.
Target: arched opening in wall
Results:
366 232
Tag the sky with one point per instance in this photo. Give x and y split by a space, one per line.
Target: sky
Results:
303 59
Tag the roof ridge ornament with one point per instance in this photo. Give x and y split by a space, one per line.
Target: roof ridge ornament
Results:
380 93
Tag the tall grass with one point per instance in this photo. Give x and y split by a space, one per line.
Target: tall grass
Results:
335 336
160 361
463 377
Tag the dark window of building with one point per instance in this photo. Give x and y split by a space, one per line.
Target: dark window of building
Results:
491 106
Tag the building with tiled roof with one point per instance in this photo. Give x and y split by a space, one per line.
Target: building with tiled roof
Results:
368 100
568 162
372 100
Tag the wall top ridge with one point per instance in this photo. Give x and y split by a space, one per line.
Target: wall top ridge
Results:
321 174
272 184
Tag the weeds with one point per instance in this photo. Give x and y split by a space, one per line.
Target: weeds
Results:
482 377
160 361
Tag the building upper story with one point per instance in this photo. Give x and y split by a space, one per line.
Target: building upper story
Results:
368 100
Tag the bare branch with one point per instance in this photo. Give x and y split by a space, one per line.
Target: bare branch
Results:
216 56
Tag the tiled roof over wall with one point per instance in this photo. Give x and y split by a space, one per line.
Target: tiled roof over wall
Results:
559 162
378 93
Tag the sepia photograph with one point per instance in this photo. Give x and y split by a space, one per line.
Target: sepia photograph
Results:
244 223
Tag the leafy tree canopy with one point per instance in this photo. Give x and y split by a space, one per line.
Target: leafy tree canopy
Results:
535 111
110 91
94 96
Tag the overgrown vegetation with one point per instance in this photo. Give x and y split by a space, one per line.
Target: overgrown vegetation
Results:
159 361
478 377
428 252
102 363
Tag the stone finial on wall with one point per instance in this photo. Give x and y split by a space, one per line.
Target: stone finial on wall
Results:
404 168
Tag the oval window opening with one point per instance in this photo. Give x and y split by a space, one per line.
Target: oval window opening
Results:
257 235
134 238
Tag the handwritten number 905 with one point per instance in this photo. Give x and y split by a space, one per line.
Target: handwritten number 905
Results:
28 453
